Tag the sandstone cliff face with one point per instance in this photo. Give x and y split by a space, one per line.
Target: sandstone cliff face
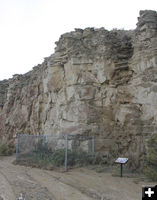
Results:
98 82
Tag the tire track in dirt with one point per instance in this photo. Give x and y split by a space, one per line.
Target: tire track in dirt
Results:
93 194
75 185
21 183
61 190
6 192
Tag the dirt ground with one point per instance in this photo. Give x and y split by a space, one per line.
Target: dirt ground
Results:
76 184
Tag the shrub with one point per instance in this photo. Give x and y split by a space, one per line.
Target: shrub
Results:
5 150
42 150
43 155
97 159
76 157
150 161
58 157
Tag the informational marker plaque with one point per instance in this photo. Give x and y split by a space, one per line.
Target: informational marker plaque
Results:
121 161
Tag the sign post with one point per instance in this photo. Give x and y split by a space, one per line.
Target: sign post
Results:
121 161
121 169
66 152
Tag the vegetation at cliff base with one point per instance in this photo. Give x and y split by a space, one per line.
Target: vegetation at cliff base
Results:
45 157
150 162
5 150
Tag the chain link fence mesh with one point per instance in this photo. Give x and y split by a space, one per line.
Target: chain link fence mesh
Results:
54 150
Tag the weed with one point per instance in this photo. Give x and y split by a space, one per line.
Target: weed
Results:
5 150
43 155
150 161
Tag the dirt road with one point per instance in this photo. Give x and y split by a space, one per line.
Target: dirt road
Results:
77 184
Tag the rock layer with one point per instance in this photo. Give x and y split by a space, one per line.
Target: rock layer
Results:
98 82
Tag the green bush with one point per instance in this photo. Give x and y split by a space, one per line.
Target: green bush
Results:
5 150
58 157
42 150
76 157
43 156
97 159
150 161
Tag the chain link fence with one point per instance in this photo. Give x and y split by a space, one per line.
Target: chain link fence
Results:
54 150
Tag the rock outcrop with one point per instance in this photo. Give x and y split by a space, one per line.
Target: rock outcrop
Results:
98 82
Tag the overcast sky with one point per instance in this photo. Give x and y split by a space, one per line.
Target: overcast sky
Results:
29 28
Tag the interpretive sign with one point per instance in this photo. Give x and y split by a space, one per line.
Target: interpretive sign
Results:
121 161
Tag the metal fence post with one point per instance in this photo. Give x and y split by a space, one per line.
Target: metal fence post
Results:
93 144
17 146
66 152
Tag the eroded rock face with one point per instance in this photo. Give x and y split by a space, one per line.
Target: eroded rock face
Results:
98 82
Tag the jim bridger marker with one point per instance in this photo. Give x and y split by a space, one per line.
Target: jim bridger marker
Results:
121 161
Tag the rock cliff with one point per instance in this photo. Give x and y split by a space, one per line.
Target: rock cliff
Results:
98 82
